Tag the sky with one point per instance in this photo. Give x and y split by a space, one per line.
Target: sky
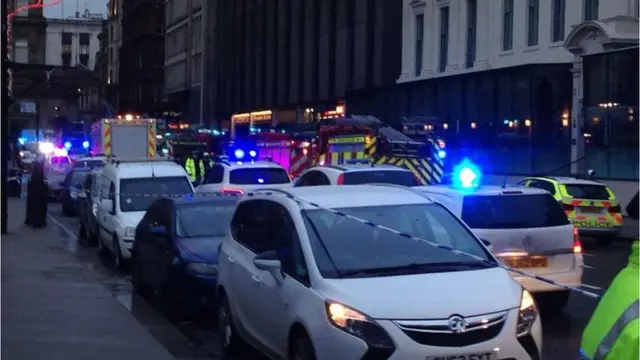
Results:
67 8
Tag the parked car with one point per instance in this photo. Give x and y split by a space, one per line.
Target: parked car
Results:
175 252
88 202
71 187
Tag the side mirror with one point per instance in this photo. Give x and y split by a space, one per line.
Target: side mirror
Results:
106 205
487 243
268 261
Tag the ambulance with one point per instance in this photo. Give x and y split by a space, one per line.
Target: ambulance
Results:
125 136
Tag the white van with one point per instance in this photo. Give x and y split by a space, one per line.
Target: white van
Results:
127 188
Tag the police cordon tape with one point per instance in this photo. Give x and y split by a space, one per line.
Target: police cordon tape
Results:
274 192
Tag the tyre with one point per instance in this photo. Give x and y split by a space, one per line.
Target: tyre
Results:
103 250
230 341
142 288
301 348
554 301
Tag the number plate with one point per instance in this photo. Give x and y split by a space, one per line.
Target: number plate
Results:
527 262
489 355
590 209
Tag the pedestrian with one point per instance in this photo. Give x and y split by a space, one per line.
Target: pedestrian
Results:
190 167
613 333
37 192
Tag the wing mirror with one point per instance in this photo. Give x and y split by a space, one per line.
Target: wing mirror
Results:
269 261
487 243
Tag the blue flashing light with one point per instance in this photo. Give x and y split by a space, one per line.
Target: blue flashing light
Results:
253 153
67 145
260 181
239 153
188 197
22 140
442 154
85 144
466 175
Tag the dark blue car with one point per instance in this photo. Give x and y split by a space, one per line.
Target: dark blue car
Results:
175 253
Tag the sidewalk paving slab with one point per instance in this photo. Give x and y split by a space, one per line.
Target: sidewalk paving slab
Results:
53 307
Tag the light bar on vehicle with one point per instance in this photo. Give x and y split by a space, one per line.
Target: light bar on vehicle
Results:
466 175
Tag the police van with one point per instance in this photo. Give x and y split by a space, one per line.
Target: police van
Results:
526 227
127 188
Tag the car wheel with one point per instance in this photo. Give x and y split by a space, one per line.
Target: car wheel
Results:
140 287
118 260
553 301
301 348
230 341
103 250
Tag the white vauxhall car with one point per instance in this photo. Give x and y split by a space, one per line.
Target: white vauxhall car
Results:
299 282
527 229
239 177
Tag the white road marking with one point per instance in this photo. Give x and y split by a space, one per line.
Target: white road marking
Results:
588 254
63 227
591 287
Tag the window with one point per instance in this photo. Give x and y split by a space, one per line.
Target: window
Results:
84 59
21 52
259 176
22 3
544 185
557 28
66 59
533 18
313 178
205 219
591 192
590 9
396 177
67 49
250 226
419 43
444 38
472 18
215 175
66 38
507 25
138 193
512 211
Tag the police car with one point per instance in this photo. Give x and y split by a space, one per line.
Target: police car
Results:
356 172
92 162
591 206
526 227
238 177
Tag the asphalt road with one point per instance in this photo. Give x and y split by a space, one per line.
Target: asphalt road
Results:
190 341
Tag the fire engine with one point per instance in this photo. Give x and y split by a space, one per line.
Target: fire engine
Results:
338 140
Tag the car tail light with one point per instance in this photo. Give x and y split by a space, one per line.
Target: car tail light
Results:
577 245
567 207
340 180
615 209
228 190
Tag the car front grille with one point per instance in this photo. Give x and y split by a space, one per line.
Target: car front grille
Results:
437 333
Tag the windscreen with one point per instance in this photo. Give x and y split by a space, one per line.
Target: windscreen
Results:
259 176
205 219
591 192
354 246
512 211
396 177
89 164
137 194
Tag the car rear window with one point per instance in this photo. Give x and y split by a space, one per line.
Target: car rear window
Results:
512 211
591 192
396 177
259 176
60 160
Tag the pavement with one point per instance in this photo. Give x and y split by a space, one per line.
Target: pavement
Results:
54 307
192 340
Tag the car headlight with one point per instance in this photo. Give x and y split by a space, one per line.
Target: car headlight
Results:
129 232
203 269
358 325
527 315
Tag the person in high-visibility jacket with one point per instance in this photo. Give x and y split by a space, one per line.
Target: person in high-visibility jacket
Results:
190 167
613 333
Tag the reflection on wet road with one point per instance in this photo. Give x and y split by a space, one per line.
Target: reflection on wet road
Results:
192 340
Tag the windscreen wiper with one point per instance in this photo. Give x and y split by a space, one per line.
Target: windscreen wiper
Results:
418 268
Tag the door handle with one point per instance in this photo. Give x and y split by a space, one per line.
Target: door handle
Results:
231 260
256 279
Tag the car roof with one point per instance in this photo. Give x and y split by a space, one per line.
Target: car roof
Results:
362 167
349 195
485 190
134 170
569 180
260 164
202 199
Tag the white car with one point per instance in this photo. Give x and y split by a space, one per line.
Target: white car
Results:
356 173
527 229
127 188
239 177
90 161
299 282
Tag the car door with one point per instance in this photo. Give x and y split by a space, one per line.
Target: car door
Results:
164 246
94 203
249 233
278 299
101 214
108 218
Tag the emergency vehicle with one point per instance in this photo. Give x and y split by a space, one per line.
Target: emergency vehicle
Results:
124 136
591 206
